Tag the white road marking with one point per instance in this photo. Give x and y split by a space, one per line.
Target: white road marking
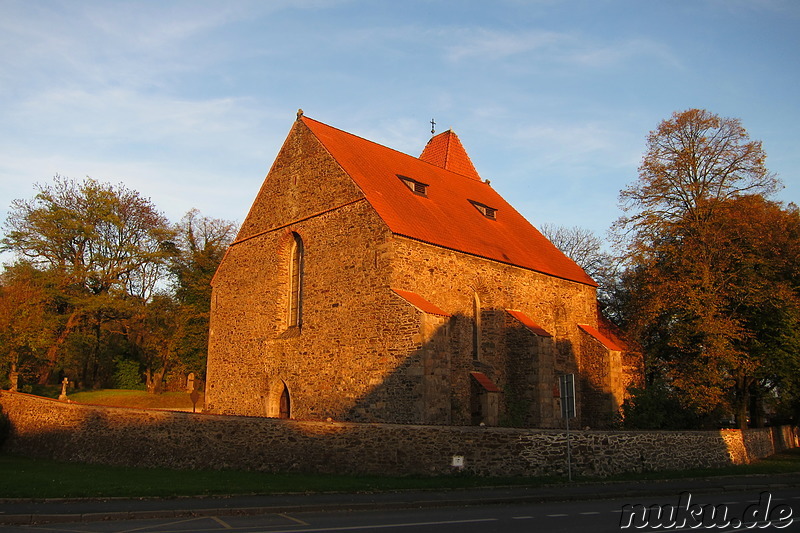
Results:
293 519
178 522
221 522
385 526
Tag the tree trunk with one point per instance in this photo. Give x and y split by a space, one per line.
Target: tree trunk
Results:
155 380
742 400
52 352
756 407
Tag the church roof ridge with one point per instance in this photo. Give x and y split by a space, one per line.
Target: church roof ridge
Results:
445 209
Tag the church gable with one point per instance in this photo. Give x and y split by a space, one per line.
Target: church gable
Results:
304 181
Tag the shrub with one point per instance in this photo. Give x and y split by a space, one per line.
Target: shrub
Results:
128 375
659 406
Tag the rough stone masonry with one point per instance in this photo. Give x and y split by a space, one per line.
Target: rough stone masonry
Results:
367 285
150 438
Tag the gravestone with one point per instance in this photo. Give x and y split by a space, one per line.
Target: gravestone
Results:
63 395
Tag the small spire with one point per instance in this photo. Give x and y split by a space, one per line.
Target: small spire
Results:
446 151
299 113
433 126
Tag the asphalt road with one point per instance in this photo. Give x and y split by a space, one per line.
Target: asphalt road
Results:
592 515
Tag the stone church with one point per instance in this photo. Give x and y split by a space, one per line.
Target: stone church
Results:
369 285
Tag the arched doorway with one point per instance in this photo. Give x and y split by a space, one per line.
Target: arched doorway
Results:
278 401
285 404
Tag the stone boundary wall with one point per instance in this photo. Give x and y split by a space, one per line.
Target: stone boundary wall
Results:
137 437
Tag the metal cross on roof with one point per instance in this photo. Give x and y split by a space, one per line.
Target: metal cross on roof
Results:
433 127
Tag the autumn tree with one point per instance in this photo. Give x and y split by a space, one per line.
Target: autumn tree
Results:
104 243
762 264
694 161
28 307
690 275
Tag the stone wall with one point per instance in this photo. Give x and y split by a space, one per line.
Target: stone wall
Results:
133 437
525 367
333 360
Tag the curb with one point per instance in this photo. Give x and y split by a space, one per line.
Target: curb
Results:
551 495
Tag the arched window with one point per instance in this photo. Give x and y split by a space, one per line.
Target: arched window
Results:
295 309
476 327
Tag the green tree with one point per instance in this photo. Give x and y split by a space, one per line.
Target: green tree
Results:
104 243
702 286
762 239
28 319
659 406
200 244
154 331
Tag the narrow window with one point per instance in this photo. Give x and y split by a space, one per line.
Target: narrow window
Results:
485 210
417 187
296 283
476 327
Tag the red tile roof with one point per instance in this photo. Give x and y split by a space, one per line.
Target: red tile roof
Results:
527 322
420 303
603 339
485 382
446 151
613 333
446 216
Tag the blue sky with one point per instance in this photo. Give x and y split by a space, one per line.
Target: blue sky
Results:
189 102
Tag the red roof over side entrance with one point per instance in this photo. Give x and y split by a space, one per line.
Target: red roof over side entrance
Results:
526 321
484 381
420 303
607 342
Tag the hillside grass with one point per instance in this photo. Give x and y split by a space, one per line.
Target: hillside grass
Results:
23 477
136 398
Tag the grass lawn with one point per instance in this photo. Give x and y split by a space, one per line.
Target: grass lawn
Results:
136 398
22 477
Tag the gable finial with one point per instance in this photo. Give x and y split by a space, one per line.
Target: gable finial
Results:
433 126
299 113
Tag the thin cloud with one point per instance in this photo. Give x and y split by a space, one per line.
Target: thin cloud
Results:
173 185
133 117
781 7
623 52
550 47
494 45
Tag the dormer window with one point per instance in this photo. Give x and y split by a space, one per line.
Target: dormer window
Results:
485 210
417 187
